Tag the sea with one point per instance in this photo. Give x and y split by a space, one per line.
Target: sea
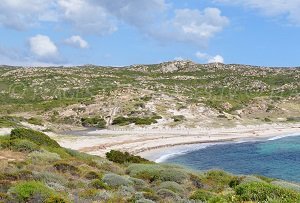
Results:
277 157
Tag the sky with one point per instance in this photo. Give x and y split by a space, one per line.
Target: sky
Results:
126 32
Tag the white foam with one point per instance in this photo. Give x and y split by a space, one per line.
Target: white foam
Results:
283 136
176 151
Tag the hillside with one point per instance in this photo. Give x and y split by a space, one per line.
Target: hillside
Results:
34 168
167 95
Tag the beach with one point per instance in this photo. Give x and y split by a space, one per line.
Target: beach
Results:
154 143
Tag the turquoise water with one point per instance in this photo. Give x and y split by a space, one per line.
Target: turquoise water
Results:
278 158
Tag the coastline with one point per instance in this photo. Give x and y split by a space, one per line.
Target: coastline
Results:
149 143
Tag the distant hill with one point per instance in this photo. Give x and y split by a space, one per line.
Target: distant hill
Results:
173 94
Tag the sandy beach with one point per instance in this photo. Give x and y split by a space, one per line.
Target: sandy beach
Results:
151 142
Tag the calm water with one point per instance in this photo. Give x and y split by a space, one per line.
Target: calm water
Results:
278 158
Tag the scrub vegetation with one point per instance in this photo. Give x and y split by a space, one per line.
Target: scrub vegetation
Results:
42 171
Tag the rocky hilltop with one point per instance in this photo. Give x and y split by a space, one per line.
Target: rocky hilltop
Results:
178 94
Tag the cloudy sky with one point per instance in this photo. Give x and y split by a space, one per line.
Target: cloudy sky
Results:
123 32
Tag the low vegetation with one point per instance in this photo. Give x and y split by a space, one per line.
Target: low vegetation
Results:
136 120
46 172
93 122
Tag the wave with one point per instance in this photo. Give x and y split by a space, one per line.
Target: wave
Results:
177 151
283 136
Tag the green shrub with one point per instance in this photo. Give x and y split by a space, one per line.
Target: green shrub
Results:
26 190
114 180
92 175
202 195
38 138
122 121
167 194
56 199
20 145
196 181
9 122
145 171
217 181
65 167
175 175
178 118
120 157
173 186
35 121
98 184
138 183
93 122
256 191
154 172
48 177
24 146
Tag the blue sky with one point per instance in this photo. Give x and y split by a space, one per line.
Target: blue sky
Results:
124 32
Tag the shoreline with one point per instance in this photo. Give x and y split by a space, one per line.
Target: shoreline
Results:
145 142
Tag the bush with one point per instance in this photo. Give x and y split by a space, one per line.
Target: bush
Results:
25 146
48 178
56 199
173 186
138 183
256 191
26 190
114 180
173 175
136 120
154 172
196 181
120 157
35 121
19 145
93 122
178 118
202 195
98 184
217 181
92 175
38 138
167 194
66 168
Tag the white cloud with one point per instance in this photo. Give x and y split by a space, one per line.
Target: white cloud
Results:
43 48
77 41
288 9
87 16
154 18
19 15
193 26
209 59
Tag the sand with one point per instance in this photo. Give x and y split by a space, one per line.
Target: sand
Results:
150 142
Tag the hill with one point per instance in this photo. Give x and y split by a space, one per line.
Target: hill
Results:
170 94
